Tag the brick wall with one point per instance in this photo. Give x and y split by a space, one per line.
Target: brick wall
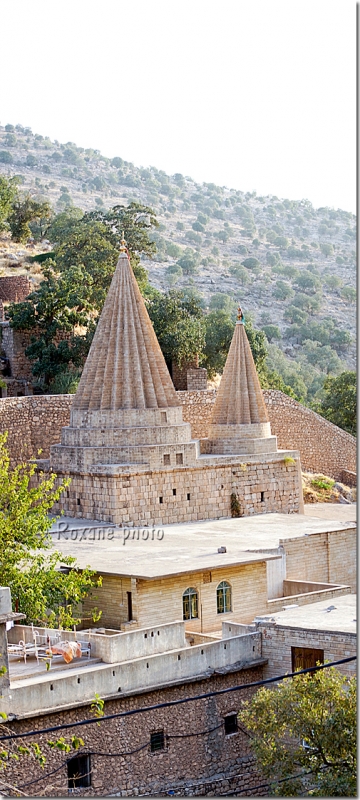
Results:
14 288
211 763
323 446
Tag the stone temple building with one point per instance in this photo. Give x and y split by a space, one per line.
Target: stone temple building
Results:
130 456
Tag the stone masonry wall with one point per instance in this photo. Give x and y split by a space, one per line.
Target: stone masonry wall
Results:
33 423
277 641
210 763
14 288
185 494
323 447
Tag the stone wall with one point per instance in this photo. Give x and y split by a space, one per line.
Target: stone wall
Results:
14 288
323 446
208 763
33 423
266 483
14 344
323 557
277 641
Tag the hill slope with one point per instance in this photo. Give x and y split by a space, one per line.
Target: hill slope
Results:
291 266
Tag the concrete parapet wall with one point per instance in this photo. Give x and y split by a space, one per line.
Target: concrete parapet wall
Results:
62 690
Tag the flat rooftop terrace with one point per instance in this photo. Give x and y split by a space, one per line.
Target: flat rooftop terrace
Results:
335 616
185 547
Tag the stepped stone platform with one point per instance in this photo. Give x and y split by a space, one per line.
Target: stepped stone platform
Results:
129 453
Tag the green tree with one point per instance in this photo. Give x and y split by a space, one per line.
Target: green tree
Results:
221 302
51 314
6 157
178 322
339 402
308 282
8 195
348 294
283 291
294 314
188 261
25 210
29 565
272 332
253 264
303 733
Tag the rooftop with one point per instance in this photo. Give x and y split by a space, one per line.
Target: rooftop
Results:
337 616
185 547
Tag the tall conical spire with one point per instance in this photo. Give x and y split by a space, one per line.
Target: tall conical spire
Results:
125 368
239 422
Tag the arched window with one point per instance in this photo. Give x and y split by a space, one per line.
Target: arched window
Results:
190 604
223 597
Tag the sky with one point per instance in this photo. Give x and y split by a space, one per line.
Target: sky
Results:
250 94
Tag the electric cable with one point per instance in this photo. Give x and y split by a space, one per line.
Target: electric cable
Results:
170 703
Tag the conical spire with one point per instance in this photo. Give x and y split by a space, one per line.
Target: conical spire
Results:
125 368
239 422
239 400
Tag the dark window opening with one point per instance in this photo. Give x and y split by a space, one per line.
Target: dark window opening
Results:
129 604
179 458
79 772
160 500
174 492
231 724
167 458
157 741
78 501
188 496
305 657
262 499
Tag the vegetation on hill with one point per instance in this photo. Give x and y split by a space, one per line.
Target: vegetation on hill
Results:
291 266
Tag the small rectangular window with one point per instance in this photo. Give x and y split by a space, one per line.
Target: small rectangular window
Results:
167 458
174 492
157 741
160 500
231 724
79 772
262 499
179 458
188 496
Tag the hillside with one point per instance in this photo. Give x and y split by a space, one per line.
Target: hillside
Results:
291 266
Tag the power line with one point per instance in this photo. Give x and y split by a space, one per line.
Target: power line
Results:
170 703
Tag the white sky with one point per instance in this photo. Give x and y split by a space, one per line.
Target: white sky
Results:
257 95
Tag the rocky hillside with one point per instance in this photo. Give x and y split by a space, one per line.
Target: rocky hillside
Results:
290 265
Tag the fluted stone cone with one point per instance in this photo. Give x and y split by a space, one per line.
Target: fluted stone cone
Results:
125 367
239 422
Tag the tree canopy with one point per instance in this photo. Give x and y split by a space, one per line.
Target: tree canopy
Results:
28 563
303 734
339 402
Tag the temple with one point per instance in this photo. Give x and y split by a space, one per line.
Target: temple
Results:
130 455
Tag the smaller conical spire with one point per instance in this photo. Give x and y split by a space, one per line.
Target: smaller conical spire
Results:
239 417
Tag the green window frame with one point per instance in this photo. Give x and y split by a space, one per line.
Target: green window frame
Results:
223 598
190 604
